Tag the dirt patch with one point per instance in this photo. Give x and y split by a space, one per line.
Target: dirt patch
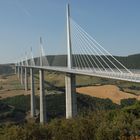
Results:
11 93
106 91
10 86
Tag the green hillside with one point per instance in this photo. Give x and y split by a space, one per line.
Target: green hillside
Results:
131 61
118 124
55 104
6 69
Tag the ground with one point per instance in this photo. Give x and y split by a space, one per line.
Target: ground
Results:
10 86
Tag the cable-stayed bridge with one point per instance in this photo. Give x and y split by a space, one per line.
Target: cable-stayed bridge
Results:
85 56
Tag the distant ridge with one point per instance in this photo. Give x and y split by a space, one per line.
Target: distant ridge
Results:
130 61
6 69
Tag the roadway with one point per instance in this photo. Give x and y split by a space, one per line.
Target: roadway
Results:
125 76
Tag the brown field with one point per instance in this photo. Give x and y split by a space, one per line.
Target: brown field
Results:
106 91
11 93
10 86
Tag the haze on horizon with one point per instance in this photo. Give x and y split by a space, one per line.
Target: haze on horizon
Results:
114 24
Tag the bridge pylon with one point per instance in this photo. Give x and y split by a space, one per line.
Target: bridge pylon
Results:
70 84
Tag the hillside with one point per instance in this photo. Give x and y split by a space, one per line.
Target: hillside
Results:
119 124
131 61
6 69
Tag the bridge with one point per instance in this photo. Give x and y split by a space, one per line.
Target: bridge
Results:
85 56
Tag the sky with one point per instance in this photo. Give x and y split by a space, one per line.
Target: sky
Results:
115 24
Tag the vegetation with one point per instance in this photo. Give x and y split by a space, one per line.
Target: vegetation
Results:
55 104
6 69
120 124
127 102
98 119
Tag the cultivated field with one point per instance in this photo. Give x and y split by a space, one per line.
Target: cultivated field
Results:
106 91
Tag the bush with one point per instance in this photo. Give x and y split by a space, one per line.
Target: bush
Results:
128 102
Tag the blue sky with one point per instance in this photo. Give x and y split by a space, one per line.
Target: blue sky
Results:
113 23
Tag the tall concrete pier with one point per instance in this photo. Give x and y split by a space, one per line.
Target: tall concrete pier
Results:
25 79
70 84
43 118
21 75
15 68
18 71
32 93
71 103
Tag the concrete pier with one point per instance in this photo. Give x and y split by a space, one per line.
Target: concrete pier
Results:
25 79
32 93
43 118
21 75
71 103
15 69
18 71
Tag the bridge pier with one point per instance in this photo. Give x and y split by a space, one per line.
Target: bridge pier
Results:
18 71
43 117
25 79
21 75
71 103
15 69
32 93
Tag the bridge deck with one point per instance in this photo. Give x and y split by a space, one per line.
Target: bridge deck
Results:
132 77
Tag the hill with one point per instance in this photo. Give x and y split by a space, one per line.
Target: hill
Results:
6 69
130 61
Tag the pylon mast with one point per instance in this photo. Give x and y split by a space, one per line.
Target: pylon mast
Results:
69 45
